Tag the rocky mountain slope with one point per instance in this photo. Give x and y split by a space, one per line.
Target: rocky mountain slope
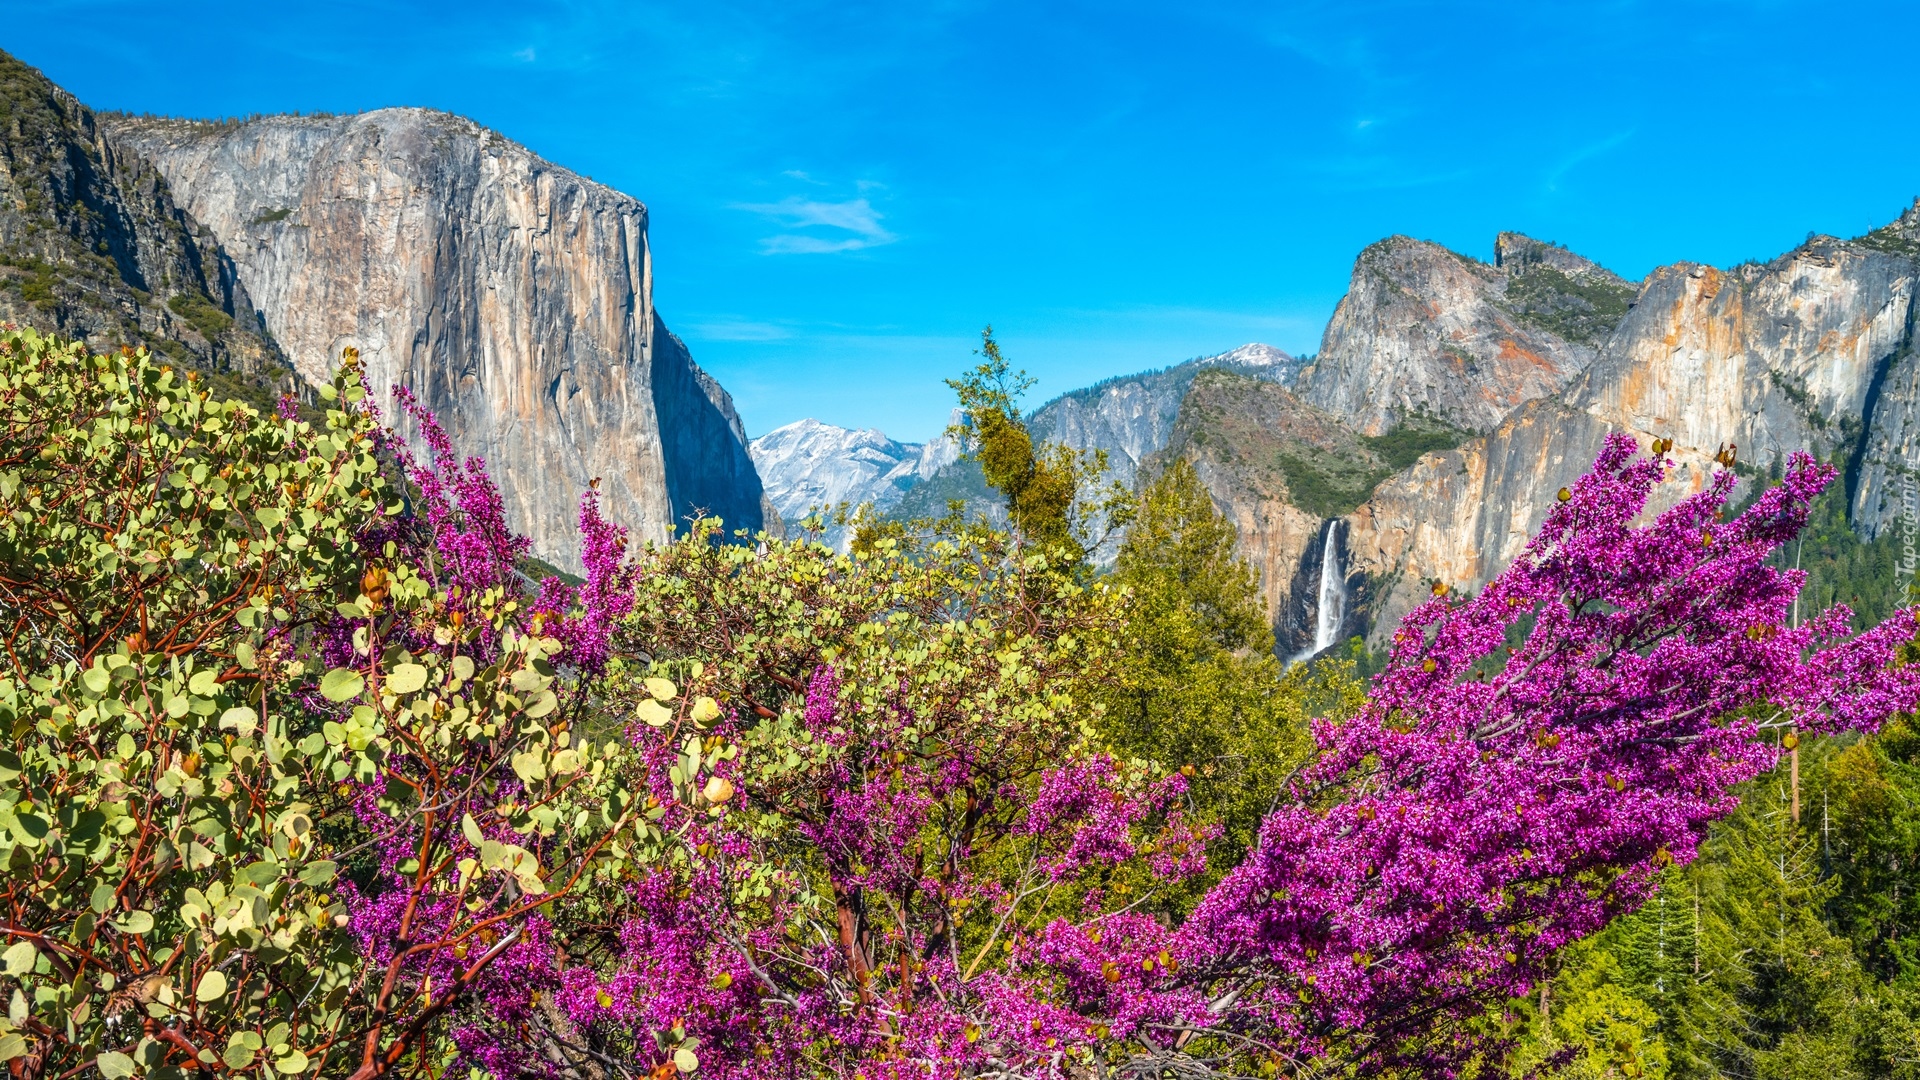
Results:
1279 468
1427 332
93 246
1811 351
808 464
513 296
1427 347
1131 417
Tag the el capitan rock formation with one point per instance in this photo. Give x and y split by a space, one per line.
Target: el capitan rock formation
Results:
513 296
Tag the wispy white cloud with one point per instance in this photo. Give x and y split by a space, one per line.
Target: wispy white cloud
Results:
734 329
789 244
1584 153
845 226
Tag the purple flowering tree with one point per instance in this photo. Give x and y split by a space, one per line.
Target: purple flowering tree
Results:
903 866
775 812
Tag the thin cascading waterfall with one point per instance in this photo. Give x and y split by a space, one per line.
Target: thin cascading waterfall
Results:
1331 605
1333 591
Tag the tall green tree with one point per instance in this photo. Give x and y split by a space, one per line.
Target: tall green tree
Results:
1784 951
1869 808
1199 685
1053 493
1778 992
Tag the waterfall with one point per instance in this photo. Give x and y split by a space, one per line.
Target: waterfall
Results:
1331 608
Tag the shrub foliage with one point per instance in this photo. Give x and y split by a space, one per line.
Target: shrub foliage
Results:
309 776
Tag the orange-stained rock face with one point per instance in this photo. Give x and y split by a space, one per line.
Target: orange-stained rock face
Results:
1423 330
1812 351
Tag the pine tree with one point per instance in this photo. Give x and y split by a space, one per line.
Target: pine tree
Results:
1778 993
1610 1008
1744 963
1200 686
1873 804
1054 496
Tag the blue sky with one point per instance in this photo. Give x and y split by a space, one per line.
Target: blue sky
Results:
843 194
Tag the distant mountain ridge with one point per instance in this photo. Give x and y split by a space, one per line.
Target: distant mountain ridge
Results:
1451 398
807 465
1132 416
1810 351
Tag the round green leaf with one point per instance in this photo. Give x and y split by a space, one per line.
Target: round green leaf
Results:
293 1062
113 1065
407 678
19 957
213 987
685 1060
341 684
136 922
241 719
238 1056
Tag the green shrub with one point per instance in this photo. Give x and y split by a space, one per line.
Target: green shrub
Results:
1405 444
1583 309
200 313
1329 485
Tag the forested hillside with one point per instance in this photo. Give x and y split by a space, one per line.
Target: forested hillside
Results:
1791 948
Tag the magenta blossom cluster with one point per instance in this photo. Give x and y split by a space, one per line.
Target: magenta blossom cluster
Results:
461 508
904 897
583 616
873 977
423 944
1500 797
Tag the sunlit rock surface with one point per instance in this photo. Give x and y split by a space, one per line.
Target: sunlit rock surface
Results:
1810 351
513 296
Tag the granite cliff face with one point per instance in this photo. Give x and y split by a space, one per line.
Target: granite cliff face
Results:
94 246
1811 351
1427 348
1426 332
1544 354
512 296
